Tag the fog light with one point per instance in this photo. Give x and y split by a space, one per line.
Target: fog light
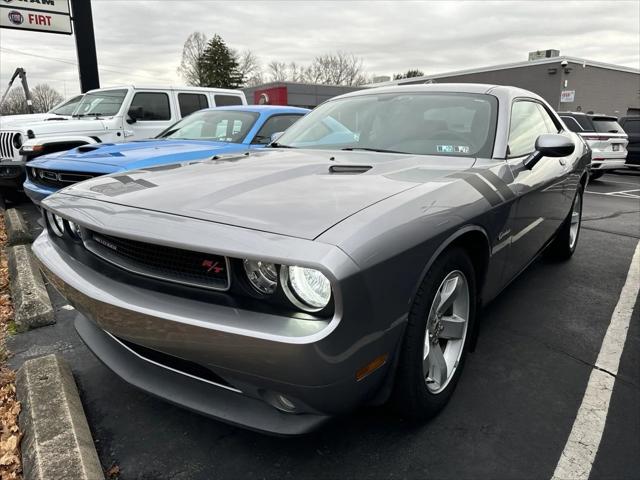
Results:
279 401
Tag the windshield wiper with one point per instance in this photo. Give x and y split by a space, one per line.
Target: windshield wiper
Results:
366 149
279 145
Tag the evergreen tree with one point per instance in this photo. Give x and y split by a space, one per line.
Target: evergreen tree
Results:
219 65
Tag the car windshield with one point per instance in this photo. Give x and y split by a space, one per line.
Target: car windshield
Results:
229 126
68 107
606 125
455 124
101 103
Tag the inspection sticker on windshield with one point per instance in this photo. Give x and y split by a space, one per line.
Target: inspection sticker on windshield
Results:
453 149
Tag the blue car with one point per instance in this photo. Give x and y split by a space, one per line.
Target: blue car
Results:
199 136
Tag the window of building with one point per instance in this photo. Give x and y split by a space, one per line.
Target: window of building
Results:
191 102
151 106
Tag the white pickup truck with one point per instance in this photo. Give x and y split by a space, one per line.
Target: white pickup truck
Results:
106 115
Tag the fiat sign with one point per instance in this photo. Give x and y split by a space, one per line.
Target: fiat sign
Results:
40 15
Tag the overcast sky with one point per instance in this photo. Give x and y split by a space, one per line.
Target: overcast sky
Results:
141 41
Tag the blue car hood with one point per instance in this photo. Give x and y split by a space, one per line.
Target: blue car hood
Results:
108 158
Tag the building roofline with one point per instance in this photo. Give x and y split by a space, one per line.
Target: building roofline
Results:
506 66
269 84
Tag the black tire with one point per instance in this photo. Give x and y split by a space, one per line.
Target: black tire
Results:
595 175
411 397
562 248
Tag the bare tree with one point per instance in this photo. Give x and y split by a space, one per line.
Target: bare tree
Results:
191 67
250 68
338 68
15 103
278 71
44 98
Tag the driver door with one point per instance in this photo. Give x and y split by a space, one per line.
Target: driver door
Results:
542 200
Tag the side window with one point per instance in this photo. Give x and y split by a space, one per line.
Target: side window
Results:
275 124
551 124
527 123
225 100
191 102
571 124
150 106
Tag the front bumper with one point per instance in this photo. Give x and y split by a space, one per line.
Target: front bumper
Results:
258 355
198 396
37 193
12 174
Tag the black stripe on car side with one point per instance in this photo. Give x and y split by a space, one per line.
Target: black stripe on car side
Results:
477 183
498 183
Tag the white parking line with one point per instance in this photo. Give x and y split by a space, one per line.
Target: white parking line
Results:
619 194
582 446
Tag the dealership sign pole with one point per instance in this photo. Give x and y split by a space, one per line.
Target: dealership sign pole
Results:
54 16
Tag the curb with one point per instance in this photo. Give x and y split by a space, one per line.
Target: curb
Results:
17 230
57 442
30 298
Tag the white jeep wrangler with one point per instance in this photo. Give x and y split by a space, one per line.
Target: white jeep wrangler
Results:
106 115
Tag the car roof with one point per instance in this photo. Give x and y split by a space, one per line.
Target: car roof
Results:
477 88
263 109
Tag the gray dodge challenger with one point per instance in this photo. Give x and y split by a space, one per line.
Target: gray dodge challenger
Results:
345 265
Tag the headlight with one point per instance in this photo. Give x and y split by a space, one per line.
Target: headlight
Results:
56 223
262 275
17 140
306 288
74 228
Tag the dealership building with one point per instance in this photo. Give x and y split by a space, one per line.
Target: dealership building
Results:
567 83
306 95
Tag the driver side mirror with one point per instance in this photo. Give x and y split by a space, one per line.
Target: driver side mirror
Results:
275 136
134 114
550 145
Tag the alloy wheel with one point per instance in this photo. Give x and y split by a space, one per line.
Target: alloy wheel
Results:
446 331
576 216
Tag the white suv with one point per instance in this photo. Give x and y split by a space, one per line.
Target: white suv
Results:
605 137
107 115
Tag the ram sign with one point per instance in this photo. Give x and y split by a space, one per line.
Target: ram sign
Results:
51 16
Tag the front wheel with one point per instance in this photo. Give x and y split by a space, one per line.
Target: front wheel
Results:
566 241
438 334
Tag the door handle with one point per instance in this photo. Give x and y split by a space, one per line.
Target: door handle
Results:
562 161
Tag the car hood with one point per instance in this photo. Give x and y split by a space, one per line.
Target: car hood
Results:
8 121
70 127
139 154
288 192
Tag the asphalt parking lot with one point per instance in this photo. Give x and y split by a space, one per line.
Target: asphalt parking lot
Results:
509 418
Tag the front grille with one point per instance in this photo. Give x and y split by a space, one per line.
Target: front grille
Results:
7 151
197 269
56 178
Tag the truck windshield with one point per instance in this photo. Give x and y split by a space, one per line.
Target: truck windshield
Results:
101 103
453 124
68 107
229 126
